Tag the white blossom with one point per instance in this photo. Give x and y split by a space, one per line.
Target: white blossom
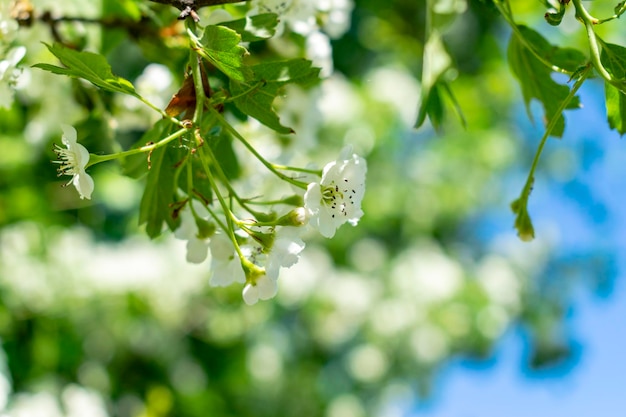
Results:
9 74
225 264
336 199
73 161
263 288
197 248
285 251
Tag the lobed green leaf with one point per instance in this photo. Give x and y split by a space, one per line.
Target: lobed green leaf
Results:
535 77
88 66
221 47
195 179
255 98
613 58
159 194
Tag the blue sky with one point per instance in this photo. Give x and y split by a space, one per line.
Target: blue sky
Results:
594 386
587 211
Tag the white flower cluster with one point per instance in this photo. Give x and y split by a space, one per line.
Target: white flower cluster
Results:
317 20
255 257
9 56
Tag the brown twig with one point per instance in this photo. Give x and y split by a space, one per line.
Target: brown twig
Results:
189 7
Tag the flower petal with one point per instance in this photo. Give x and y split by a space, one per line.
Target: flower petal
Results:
267 288
84 185
82 156
197 250
69 136
250 294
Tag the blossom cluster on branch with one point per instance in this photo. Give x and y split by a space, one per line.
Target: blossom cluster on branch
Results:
190 157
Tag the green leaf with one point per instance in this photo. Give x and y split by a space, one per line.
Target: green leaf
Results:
555 13
200 184
615 108
222 147
432 107
566 58
220 46
523 223
535 77
613 58
255 98
254 28
436 63
159 194
89 66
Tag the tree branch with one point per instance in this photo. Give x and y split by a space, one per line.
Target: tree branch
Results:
189 7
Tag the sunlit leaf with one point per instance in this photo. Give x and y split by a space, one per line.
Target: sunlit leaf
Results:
221 47
613 58
88 66
255 98
615 108
535 77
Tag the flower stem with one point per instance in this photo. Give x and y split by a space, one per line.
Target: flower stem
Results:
228 214
160 111
194 63
317 172
224 179
96 159
245 143
620 10
553 121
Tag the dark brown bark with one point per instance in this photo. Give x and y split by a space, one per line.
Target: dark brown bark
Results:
189 7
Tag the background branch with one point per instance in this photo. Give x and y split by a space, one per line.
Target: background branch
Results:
189 7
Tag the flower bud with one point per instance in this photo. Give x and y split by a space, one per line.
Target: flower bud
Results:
296 217
266 240
206 229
